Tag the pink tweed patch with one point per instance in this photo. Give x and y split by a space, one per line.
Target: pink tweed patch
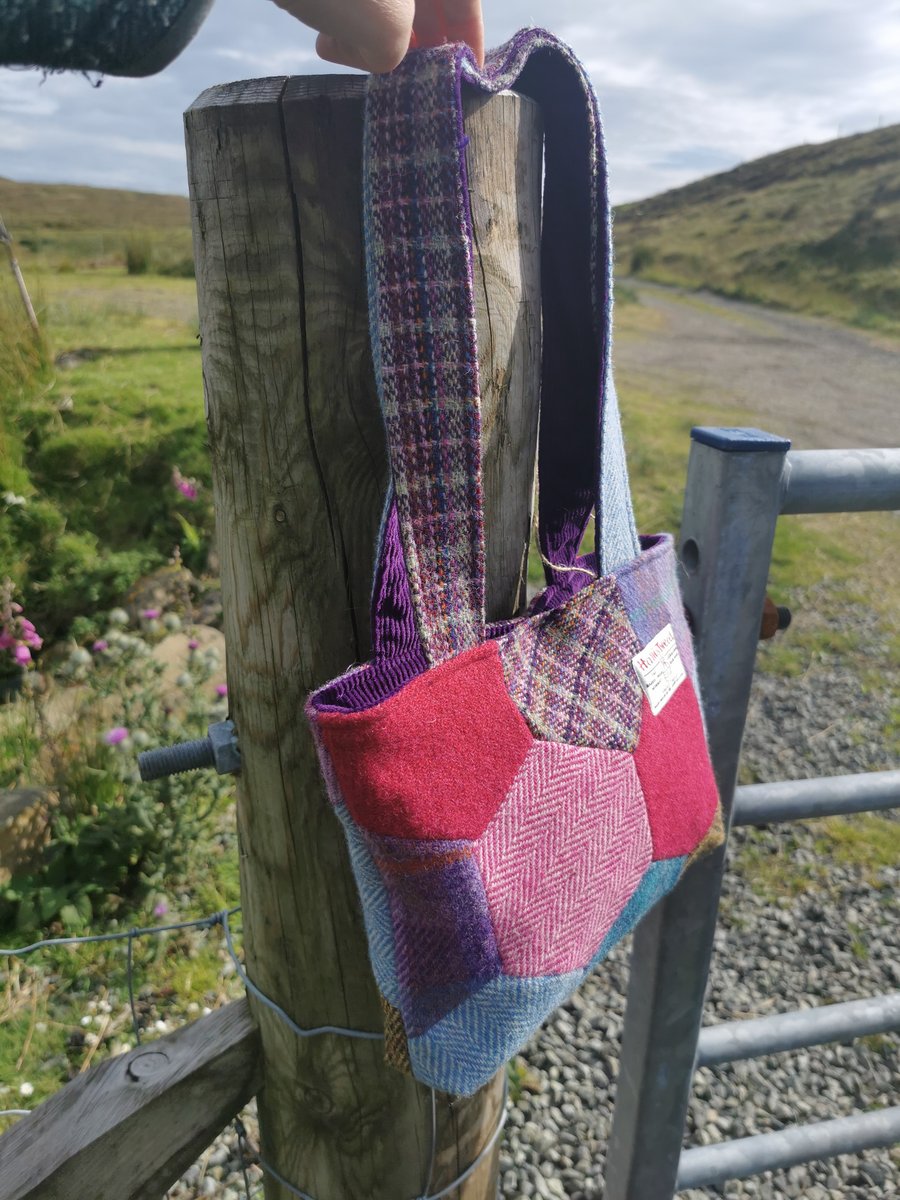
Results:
673 766
437 759
562 856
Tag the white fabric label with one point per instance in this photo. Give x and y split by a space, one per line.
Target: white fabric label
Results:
660 669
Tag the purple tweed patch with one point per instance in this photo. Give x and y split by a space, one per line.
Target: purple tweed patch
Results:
569 671
444 937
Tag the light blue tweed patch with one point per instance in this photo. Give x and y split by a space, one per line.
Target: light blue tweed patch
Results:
376 909
462 1051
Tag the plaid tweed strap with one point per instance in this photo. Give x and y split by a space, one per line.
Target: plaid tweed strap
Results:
421 304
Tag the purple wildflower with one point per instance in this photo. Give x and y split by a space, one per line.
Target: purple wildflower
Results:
116 736
221 689
22 655
193 644
100 645
160 909
149 614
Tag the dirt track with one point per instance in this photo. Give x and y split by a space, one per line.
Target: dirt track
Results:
821 384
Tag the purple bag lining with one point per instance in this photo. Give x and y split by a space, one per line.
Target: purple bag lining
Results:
398 655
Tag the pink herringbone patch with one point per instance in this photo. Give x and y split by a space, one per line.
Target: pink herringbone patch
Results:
562 856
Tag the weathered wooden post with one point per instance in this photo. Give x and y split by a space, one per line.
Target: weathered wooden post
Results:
299 471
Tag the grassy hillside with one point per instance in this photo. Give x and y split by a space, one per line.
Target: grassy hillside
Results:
815 229
65 226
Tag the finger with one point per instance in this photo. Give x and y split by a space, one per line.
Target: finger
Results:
429 25
464 22
374 34
334 51
440 21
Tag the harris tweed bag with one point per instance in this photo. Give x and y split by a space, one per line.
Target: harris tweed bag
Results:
515 796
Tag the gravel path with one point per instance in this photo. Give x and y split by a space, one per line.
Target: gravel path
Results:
821 384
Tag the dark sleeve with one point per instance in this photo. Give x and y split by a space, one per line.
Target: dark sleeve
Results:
113 37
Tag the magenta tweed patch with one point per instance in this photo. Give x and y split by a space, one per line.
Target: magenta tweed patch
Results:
574 816
569 670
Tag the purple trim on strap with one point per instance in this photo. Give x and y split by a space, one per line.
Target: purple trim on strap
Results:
397 652
394 632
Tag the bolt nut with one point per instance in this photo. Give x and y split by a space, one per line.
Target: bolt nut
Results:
224 741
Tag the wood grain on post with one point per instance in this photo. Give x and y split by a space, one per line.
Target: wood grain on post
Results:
299 470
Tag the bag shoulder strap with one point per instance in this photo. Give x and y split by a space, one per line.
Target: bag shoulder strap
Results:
418 234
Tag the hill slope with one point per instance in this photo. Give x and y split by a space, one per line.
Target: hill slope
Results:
814 229
66 222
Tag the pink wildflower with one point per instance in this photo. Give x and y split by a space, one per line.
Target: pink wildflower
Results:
100 645
189 488
160 909
22 655
7 641
193 644
30 635
221 689
116 736
149 614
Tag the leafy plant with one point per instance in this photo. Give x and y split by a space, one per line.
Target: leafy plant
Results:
113 840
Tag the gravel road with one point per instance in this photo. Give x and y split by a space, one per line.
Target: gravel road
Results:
821 384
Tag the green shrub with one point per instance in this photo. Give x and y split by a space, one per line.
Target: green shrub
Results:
138 254
642 257
76 575
181 268
113 841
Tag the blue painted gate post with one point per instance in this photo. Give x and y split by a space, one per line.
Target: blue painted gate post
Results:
731 505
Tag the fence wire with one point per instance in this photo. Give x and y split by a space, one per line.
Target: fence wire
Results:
222 918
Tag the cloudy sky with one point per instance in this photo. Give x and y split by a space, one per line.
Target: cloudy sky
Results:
687 89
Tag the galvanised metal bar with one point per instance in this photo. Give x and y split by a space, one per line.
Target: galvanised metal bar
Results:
732 501
733 1040
801 799
704 1166
828 481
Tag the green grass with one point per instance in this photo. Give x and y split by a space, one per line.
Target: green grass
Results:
54 1000
66 227
866 843
815 229
90 443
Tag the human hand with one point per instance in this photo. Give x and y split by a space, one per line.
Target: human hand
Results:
374 35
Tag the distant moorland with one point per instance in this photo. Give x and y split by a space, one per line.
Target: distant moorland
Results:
814 229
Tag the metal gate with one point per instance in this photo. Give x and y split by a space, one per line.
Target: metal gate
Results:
739 482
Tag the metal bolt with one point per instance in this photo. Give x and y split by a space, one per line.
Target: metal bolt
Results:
147 1065
219 749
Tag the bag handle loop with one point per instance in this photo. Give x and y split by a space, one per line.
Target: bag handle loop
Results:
419 258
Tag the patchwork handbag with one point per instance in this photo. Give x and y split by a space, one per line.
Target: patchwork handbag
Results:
515 796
